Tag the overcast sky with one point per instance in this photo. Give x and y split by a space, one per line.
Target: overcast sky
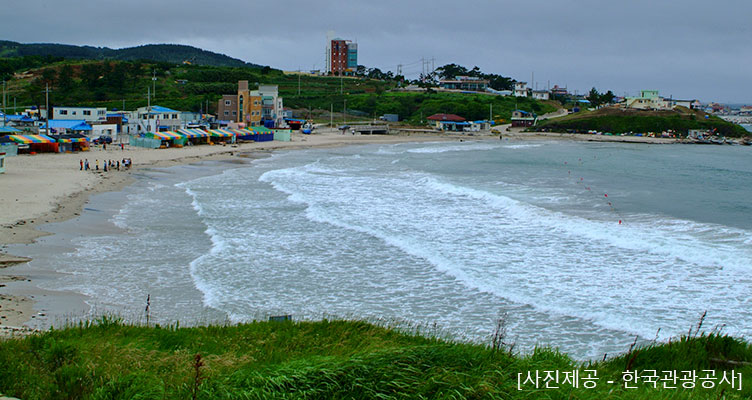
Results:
685 48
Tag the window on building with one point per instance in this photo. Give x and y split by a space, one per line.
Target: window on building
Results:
174 116
227 113
63 112
228 103
73 113
87 112
234 113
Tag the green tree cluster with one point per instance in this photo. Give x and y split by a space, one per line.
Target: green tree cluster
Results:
597 99
497 82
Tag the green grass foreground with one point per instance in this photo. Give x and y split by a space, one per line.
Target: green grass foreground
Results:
107 359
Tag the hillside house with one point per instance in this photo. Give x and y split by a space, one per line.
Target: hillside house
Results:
520 89
648 100
469 83
541 95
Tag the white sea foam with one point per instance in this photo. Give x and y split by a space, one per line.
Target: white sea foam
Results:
470 146
606 241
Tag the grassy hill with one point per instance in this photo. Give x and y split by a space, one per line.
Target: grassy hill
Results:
336 359
618 120
171 53
123 85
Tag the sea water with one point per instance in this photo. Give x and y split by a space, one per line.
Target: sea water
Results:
581 246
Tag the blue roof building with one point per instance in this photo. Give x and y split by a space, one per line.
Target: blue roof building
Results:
67 125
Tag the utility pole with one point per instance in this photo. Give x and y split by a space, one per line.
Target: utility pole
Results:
148 109
154 83
345 113
47 106
5 113
490 112
298 81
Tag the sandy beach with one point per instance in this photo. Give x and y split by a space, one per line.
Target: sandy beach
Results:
45 188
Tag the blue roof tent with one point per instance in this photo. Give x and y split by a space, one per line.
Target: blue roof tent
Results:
8 130
74 125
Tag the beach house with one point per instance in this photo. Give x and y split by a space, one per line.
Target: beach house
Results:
261 107
523 118
448 122
158 118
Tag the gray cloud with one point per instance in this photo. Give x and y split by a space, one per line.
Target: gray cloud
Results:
688 49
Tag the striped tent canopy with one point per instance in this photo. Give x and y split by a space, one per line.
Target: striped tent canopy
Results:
28 139
71 138
166 135
194 133
222 133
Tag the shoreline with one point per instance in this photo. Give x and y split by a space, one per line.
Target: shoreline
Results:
56 177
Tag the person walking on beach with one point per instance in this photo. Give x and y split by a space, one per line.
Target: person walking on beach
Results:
104 145
81 163
96 164
105 166
86 165
122 147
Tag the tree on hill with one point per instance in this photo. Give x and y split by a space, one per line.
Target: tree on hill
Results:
65 77
597 99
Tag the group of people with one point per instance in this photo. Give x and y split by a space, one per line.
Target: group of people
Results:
107 165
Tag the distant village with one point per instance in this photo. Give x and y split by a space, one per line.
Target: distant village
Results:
258 114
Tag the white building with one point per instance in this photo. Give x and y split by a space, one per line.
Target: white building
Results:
88 114
648 100
157 118
98 130
520 89
271 104
541 95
